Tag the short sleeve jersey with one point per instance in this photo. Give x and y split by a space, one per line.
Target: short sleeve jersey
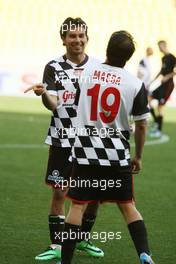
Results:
107 97
61 79
168 64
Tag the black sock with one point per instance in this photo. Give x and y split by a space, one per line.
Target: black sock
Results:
56 227
86 227
71 235
152 111
159 121
138 234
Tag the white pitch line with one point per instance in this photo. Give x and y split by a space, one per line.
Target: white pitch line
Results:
26 119
161 140
23 146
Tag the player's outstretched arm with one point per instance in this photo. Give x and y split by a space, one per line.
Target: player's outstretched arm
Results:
139 136
168 76
49 101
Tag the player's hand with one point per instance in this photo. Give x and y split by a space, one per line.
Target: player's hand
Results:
38 89
136 165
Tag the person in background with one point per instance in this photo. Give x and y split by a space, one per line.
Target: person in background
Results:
163 92
144 68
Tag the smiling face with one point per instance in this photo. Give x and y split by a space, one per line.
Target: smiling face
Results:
75 41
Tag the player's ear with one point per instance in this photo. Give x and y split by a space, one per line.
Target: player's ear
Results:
63 40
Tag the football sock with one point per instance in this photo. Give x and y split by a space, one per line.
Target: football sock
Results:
138 234
72 233
152 111
56 227
87 224
159 120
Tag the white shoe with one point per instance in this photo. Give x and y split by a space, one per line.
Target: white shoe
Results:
145 259
156 134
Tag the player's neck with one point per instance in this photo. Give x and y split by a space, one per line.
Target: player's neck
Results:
166 52
77 59
107 62
110 64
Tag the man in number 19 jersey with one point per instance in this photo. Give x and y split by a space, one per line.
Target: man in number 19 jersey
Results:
108 96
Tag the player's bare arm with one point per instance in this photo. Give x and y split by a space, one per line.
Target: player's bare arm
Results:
168 76
139 136
49 101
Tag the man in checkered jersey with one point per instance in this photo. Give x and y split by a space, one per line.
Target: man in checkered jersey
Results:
58 94
101 152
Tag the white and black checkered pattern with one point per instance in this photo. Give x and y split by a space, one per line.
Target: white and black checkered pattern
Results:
61 77
110 149
105 151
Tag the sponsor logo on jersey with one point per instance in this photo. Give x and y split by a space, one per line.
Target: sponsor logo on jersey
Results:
55 176
68 95
62 75
55 173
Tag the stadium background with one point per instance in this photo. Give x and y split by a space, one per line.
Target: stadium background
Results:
29 33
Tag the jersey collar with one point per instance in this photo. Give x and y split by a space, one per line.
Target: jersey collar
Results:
74 64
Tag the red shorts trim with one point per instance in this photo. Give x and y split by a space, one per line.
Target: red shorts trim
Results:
101 201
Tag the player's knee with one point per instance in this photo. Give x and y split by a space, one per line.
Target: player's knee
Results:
127 208
78 207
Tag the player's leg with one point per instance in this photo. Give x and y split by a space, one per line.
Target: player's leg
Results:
137 230
88 220
157 94
89 217
168 88
160 117
59 170
56 218
57 202
57 162
152 110
133 218
72 231
81 194
153 130
56 221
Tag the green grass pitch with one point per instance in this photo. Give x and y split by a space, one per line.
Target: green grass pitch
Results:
25 198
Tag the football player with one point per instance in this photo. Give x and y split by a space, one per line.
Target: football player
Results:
101 150
58 90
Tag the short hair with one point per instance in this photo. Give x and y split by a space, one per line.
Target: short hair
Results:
162 42
120 48
69 23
